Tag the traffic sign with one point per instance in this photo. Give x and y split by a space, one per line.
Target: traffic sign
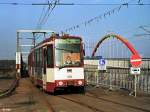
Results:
102 61
135 60
135 71
102 64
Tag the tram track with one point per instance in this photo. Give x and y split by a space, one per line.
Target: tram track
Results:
78 100
47 103
94 109
89 101
25 99
114 102
10 89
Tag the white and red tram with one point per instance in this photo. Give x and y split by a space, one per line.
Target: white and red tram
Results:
57 62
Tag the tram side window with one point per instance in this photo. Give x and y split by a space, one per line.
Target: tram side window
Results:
50 61
33 60
40 57
37 57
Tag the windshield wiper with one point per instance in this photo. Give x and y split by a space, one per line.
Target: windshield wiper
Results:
60 67
63 66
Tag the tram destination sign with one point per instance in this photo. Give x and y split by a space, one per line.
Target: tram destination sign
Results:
68 41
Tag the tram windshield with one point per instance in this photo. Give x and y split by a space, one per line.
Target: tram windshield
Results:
68 52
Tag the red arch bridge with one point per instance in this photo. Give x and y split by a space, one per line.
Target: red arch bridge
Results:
117 52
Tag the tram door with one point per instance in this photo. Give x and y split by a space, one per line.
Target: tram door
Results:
44 67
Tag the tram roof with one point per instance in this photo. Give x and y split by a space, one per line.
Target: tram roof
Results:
56 36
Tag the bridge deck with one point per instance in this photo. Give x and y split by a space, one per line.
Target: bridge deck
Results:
29 98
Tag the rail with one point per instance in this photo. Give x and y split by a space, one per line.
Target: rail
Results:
10 89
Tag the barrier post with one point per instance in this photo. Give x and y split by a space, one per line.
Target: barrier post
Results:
135 85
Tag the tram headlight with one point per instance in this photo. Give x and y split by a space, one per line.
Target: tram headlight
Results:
60 83
80 82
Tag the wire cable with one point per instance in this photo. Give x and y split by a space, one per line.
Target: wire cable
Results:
73 4
102 16
43 10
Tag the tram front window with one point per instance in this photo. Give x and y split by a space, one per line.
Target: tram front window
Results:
68 52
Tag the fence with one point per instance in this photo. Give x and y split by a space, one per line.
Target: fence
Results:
118 75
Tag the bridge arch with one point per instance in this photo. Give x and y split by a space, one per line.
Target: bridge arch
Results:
120 38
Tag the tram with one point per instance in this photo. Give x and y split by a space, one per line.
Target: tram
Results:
57 63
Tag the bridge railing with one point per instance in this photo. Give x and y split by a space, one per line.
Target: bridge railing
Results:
119 77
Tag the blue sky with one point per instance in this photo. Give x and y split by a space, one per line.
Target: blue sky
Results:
125 22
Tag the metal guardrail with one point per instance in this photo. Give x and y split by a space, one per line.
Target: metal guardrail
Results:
118 78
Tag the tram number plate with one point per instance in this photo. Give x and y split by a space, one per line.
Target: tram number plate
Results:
69 70
69 76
